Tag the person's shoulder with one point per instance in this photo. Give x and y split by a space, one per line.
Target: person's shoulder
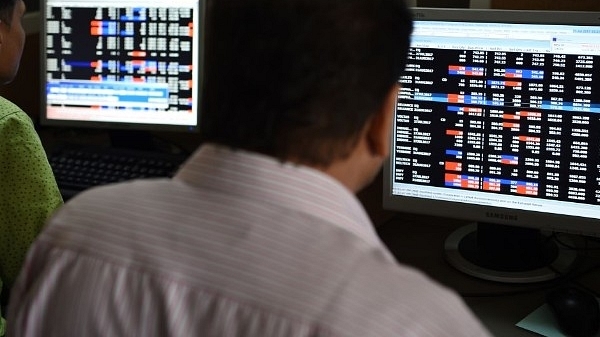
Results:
7 106
135 191
408 299
10 109
402 281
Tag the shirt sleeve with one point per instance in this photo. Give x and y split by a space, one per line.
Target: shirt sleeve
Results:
28 191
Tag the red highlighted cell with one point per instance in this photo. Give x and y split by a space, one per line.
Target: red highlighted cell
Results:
454 132
510 125
95 28
514 117
529 139
453 166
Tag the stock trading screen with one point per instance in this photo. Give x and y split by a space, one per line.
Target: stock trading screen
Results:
127 63
522 123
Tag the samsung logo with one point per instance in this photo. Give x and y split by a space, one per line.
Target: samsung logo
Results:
418 15
501 216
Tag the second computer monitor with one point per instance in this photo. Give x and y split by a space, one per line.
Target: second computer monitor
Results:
134 64
498 122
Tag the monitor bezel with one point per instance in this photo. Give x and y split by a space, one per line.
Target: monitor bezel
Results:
108 125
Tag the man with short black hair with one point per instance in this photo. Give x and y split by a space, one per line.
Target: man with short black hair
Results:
259 233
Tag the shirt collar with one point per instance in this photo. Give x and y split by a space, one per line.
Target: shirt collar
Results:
298 187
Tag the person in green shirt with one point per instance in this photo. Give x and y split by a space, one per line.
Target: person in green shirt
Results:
28 190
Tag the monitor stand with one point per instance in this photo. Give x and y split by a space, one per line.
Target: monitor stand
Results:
507 254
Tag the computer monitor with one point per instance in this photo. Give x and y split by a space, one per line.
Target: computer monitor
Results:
122 64
498 122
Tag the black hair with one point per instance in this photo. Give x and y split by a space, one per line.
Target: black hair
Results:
300 78
6 10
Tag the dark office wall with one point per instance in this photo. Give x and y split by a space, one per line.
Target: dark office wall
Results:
32 5
25 89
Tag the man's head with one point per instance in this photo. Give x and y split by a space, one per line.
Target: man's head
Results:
299 79
12 38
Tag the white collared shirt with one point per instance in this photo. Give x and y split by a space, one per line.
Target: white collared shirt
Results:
236 244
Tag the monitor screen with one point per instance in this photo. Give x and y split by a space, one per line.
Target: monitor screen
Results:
134 64
498 122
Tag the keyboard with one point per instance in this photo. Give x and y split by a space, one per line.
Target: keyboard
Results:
79 168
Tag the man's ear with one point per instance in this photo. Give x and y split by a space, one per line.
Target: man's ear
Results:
379 129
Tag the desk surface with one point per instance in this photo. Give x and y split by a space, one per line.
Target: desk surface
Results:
419 241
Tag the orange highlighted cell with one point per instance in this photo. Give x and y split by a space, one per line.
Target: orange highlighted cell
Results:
454 98
451 177
137 53
453 166
529 139
529 114
456 68
508 116
525 190
510 125
95 28
454 133
190 29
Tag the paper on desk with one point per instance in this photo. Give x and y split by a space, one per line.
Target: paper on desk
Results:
541 321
